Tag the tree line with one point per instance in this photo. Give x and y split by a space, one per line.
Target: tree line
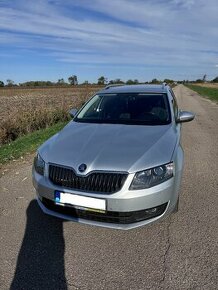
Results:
72 80
102 80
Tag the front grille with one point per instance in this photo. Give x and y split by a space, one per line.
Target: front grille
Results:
108 216
94 182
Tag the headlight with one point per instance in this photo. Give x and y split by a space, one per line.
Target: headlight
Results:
39 164
151 177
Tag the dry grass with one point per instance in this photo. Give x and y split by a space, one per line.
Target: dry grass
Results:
25 110
27 122
208 85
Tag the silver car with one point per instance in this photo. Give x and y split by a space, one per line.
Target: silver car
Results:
118 163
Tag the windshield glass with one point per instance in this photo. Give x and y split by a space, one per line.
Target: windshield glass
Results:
132 109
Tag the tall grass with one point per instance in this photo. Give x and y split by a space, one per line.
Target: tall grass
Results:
26 122
23 111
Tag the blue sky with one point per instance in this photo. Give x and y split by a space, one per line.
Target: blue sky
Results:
140 39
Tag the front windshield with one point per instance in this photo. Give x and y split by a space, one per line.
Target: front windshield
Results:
131 108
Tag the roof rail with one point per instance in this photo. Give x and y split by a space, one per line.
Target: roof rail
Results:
164 85
113 85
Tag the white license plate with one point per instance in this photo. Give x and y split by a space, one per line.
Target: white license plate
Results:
80 201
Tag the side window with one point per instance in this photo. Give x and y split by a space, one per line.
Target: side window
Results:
174 102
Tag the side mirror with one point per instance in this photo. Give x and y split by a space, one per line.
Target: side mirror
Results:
185 116
73 112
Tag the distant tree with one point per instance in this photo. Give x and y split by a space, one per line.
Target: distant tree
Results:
130 82
47 83
155 81
73 80
10 83
61 82
2 84
118 81
215 80
37 84
102 80
168 81
199 81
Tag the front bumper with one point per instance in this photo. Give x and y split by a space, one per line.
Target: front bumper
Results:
125 209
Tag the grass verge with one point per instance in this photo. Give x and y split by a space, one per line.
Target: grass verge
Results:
28 143
211 93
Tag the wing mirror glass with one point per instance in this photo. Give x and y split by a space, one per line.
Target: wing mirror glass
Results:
185 116
73 112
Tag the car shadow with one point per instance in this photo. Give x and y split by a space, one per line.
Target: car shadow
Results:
40 263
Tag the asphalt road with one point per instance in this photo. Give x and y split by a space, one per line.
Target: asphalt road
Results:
181 252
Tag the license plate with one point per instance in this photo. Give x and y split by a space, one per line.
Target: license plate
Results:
89 203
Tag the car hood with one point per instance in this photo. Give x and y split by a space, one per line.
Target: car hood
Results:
110 147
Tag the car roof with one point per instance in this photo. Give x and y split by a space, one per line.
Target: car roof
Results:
162 88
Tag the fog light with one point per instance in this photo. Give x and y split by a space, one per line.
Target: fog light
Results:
151 210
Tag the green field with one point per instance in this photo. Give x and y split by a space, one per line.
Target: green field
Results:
211 93
27 143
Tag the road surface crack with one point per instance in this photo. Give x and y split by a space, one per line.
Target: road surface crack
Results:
165 256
